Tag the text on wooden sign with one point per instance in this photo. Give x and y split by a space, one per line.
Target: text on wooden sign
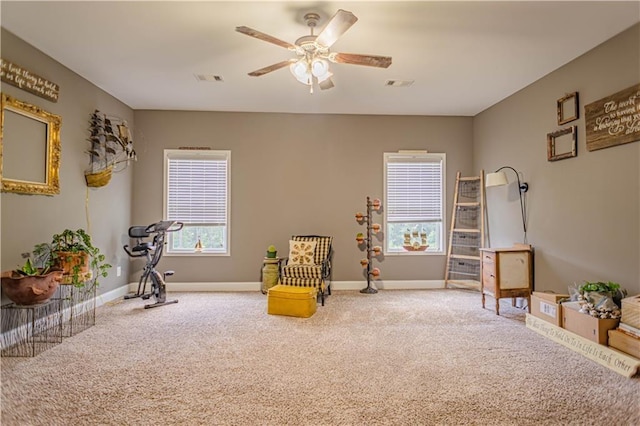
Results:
614 120
26 80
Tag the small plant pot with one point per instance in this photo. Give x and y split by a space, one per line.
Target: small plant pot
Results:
272 254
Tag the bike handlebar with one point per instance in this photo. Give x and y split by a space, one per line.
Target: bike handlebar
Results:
164 226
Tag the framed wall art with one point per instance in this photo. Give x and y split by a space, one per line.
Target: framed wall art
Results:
562 144
613 120
568 108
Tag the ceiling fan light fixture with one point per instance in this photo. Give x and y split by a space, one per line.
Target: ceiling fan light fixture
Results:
324 77
300 71
320 68
312 64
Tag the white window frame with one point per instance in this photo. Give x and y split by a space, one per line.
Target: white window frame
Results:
212 155
416 157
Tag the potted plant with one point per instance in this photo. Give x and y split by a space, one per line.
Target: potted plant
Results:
74 253
30 284
600 299
272 252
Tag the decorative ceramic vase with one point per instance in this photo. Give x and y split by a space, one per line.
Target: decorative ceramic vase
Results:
270 274
32 289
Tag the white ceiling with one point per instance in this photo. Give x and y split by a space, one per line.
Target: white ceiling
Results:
463 56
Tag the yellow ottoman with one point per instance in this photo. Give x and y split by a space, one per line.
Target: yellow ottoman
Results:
292 301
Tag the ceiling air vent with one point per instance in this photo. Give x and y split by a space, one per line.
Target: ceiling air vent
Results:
399 83
209 77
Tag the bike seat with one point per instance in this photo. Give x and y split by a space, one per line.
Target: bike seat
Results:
144 246
138 232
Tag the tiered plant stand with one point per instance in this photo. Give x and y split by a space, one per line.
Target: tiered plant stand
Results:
78 308
366 242
28 330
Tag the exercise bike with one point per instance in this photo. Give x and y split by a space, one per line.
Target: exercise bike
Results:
152 251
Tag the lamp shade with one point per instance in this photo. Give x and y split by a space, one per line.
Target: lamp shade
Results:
496 179
300 71
319 68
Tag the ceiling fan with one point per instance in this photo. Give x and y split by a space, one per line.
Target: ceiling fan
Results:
312 51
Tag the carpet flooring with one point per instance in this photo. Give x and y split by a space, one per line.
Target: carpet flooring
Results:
430 357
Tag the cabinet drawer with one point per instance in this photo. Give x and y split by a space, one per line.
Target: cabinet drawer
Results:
488 257
489 277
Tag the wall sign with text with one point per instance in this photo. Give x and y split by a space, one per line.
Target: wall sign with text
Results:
614 120
15 75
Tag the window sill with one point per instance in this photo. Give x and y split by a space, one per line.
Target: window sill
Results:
415 253
194 254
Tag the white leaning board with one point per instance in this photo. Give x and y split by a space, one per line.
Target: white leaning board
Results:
617 361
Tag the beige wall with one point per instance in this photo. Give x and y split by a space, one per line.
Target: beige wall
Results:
584 212
31 219
294 174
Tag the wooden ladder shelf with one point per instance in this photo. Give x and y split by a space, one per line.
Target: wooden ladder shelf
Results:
467 235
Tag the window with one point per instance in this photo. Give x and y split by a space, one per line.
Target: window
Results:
197 194
413 205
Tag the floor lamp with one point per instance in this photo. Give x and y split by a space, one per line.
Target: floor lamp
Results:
499 178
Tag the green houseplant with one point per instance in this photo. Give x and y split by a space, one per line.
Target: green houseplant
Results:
74 253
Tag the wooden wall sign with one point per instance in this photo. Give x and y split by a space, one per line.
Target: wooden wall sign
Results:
614 120
24 79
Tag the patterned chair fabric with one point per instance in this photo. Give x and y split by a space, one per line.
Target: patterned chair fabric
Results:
311 275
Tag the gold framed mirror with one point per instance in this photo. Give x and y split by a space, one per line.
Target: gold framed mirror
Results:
29 148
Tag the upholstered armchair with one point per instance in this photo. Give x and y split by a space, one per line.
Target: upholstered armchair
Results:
308 263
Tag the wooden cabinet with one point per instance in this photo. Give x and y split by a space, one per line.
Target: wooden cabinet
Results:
507 272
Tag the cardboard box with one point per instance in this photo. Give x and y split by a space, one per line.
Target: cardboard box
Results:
625 342
546 307
631 311
594 329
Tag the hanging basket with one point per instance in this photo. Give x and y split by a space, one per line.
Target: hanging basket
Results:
98 179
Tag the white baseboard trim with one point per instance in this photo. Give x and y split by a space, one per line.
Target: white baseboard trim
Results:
255 286
112 295
389 285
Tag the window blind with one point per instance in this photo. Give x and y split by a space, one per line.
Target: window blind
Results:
197 190
414 189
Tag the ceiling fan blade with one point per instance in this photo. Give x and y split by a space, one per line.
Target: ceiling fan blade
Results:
337 26
368 60
326 84
265 70
265 37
